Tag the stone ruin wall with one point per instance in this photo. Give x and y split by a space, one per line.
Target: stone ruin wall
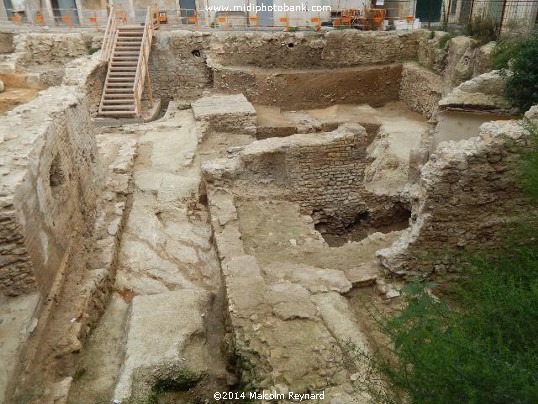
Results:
37 60
296 70
465 196
50 183
323 173
184 63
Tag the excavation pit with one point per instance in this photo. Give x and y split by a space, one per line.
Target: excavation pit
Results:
230 237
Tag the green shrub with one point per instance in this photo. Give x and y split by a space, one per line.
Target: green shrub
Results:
504 51
522 83
483 29
443 41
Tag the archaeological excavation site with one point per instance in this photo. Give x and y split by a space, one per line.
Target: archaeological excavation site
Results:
192 212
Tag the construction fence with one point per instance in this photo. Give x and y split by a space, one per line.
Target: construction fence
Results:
517 17
388 15
507 15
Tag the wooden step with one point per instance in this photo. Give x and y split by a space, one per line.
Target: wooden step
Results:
117 113
119 95
109 90
119 99
123 74
118 107
113 103
116 84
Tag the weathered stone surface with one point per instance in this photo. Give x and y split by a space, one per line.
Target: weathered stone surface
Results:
363 275
244 283
151 342
49 189
225 113
459 65
464 197
482 93
314 279
289 301
421 89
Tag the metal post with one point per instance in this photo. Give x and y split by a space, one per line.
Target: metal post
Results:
429 13
502 18
447 12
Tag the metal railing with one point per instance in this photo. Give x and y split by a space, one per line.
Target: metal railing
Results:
507 17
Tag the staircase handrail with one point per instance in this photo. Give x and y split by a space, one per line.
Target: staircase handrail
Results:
142 66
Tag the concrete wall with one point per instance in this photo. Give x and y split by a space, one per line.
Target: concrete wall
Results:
49 190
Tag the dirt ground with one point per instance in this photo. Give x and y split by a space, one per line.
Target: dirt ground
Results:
13 97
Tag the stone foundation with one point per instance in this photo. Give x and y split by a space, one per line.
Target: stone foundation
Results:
49 188
465 197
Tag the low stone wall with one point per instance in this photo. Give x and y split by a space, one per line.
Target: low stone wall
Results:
182 64
49 187
465 196
37 49
421 89
323 173
88 74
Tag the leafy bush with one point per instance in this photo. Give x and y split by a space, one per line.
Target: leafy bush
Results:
504 51
483 29
522 83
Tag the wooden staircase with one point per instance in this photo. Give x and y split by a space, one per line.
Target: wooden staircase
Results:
127 49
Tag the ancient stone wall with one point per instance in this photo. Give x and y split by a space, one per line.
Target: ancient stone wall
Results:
49 190
420 88
456 60
324 174
6 42
306 50
36 49
465 196
178 65
182 65
88 74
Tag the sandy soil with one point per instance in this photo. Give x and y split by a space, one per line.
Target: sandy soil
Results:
12 97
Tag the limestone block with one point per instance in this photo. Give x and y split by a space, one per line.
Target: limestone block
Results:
225 113
159 341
